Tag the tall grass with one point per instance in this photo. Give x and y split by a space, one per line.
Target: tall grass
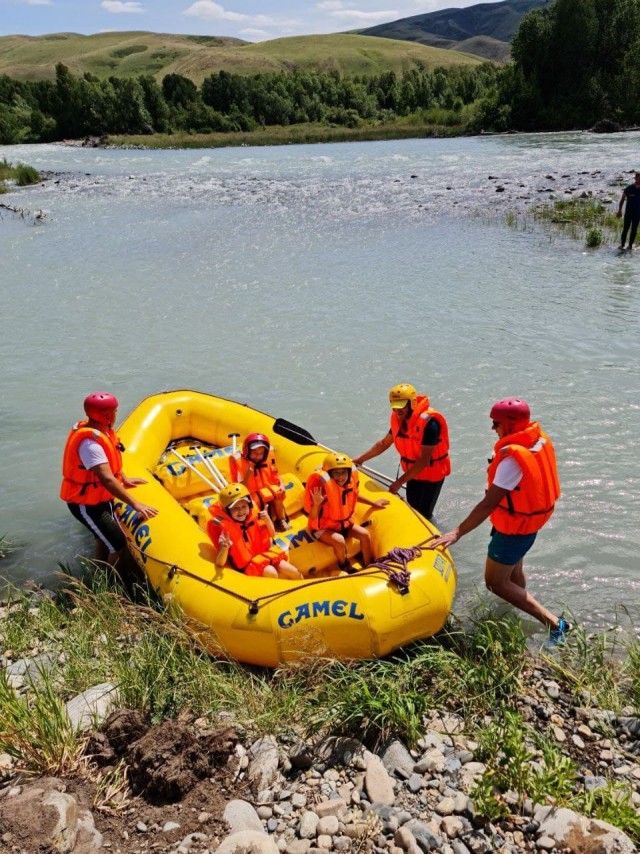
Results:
96 634
586 219
22 174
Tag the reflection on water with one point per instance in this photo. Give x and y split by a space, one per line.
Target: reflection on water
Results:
307 280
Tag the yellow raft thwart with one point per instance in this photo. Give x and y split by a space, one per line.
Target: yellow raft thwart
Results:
266 621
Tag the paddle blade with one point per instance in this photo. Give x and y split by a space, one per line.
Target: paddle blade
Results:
291 431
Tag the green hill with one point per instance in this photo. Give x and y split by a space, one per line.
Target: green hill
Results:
129 53
485 29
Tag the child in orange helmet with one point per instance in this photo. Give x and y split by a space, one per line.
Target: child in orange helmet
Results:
243 536
256 469
331 495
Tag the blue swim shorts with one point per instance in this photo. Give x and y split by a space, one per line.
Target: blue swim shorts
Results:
508 549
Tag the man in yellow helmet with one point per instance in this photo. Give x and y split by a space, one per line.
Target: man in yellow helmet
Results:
421 437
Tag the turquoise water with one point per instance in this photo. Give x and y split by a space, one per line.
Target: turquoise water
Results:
306 280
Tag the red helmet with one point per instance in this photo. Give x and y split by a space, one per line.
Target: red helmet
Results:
510 409
255 440
99 407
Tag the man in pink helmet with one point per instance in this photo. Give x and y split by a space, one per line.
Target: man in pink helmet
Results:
92 476
521 493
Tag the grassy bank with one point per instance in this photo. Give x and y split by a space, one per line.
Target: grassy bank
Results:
444 124
21 174
484 674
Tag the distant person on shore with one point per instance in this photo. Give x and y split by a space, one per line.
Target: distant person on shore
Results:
92 476
630 195
330 499
256 468
522 489
421 437
243 536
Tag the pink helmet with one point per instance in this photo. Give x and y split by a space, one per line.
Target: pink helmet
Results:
255 440
99 405
510 409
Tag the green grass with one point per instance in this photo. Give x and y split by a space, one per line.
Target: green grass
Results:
293 135
95 634
23 175
588 219
129 53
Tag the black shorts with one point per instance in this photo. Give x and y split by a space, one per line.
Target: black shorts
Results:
99 519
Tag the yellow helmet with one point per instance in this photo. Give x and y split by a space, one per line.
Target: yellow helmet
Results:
400 394
231 493
336 461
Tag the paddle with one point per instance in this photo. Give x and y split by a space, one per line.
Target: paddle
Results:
302 437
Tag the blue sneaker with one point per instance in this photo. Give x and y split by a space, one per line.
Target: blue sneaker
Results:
558 635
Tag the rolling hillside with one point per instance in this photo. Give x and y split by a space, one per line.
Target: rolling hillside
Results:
485 29
128 53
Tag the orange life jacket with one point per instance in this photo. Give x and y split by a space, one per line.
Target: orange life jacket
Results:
407 437
337 509
263 483
525 509
251 549
81 485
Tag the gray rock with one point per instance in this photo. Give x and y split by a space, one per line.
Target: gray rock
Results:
240 815
298 846
301 756
452 826
415 783
333 806
93 706
328 825
248 842
446 806
570 830
397 759
458 847
308 825
427 841
432 761
339 750
263 763
404 839
378 784
168 826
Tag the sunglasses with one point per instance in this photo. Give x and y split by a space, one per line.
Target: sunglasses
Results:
495 424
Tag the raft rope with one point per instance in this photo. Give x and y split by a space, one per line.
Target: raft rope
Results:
393 565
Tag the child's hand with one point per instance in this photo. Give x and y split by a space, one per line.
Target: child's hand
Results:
263 514
380 503
317 496
225 540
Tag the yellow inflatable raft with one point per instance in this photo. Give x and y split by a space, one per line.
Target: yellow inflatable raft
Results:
181 441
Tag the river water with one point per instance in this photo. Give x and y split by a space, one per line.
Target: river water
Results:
307 280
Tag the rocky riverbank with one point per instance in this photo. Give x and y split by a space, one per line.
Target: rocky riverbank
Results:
320 758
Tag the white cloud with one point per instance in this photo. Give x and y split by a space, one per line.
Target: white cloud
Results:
118 7
345 12
38 2
215 12
355 15
253 33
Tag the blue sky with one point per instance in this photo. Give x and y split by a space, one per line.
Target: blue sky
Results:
253 20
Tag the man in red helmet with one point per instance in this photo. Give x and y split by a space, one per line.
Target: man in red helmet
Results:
92 476
521 493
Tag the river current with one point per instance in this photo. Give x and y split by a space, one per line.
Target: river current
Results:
307 280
